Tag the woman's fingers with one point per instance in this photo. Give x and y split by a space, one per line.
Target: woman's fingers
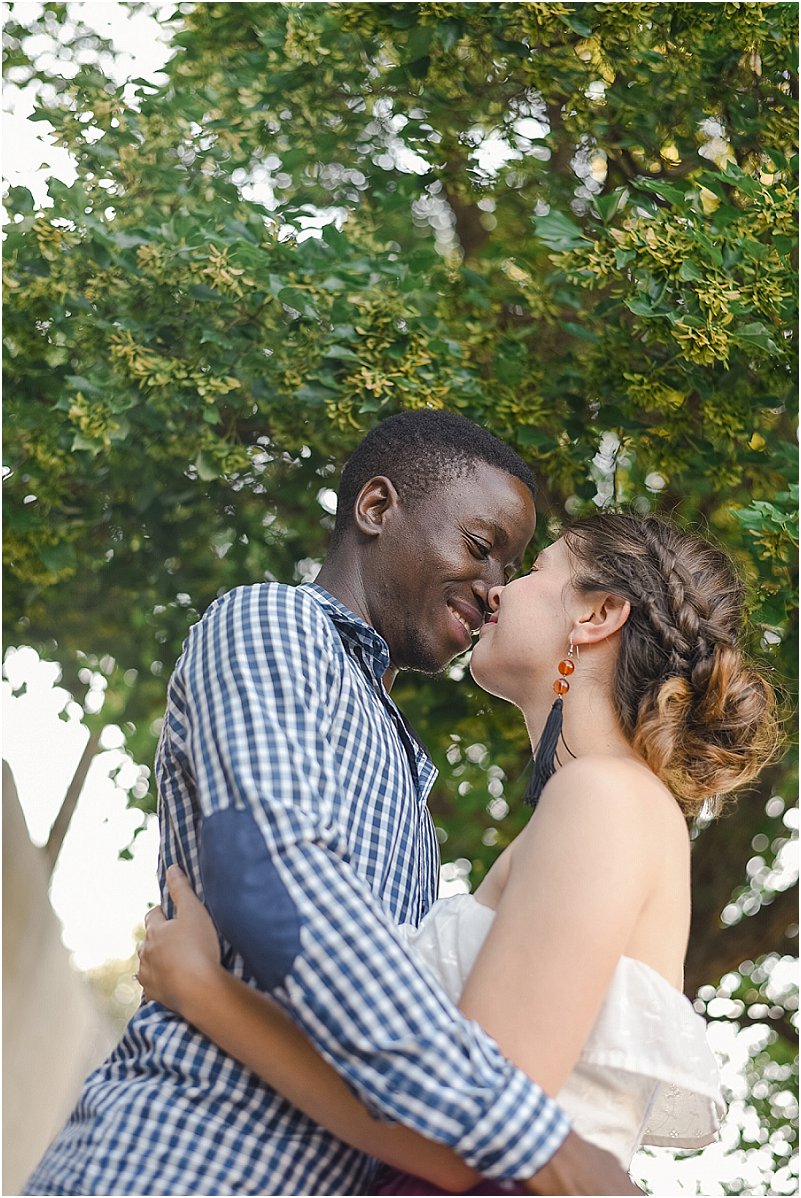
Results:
154 918
181 891
177 883
179 955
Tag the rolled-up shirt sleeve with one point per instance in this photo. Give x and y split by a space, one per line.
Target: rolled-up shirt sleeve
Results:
260 694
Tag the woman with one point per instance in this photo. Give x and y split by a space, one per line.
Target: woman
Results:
582 923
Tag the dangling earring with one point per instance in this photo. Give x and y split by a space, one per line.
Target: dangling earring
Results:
545 751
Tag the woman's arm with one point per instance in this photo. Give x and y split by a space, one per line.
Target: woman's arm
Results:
179 967
580 876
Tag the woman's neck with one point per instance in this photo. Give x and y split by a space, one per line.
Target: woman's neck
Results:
589 723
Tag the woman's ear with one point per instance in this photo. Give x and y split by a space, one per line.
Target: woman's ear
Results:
376 499
603 615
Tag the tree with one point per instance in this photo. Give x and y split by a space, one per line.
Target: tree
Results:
575 223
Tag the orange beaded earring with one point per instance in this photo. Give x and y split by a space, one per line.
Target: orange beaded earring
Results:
545 752
566 667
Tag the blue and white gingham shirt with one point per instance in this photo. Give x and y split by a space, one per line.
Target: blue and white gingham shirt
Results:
282 752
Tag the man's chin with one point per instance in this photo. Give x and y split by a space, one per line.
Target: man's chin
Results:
421 664
432 671
423 661
426 656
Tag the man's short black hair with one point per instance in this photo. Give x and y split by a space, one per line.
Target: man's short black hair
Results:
419 451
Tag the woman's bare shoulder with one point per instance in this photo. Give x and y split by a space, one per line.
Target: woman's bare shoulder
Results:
617 793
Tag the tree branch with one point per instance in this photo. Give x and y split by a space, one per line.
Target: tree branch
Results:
630 169
723 949
718 855
562 146
62 822
470 232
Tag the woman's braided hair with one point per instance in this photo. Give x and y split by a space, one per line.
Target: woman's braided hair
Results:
699 713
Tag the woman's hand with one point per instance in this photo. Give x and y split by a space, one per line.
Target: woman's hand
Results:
179 957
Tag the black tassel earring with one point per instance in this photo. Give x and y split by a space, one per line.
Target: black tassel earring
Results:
545 752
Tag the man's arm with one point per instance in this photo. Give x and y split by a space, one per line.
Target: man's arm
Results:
257 697
179 967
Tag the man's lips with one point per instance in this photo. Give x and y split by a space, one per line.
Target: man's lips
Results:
468 617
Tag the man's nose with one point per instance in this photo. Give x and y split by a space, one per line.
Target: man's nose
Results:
494 598
483 588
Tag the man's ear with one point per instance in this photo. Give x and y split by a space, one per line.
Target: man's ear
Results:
603 616
374 502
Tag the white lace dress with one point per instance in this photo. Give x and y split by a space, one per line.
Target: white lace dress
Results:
646 1074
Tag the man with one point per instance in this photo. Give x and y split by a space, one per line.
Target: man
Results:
293 795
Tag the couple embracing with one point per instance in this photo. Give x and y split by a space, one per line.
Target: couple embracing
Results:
335 1015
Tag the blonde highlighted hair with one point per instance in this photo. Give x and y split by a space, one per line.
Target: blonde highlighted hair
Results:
702 716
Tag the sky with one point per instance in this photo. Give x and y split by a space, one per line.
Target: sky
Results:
99 899
26 145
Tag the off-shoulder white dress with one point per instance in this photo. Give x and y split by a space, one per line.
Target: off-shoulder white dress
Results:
646 1074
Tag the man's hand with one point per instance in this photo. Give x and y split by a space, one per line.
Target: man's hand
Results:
581 1168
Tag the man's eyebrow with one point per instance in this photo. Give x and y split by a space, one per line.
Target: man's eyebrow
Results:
499 534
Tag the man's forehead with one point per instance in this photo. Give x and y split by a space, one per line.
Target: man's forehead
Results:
494 484
489 498
501 501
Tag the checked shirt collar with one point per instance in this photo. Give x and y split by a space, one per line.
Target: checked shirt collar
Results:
368 646
371 651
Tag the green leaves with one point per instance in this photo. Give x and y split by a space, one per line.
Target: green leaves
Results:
18 201
58 559
299 300
642 307
757 334
609 205
773 524
328 213
559 232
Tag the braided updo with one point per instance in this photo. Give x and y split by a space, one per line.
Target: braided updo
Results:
700 715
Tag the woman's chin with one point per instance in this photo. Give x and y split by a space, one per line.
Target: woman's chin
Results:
484 678
476 673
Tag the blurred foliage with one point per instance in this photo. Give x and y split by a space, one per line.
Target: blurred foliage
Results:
116 988
575 223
